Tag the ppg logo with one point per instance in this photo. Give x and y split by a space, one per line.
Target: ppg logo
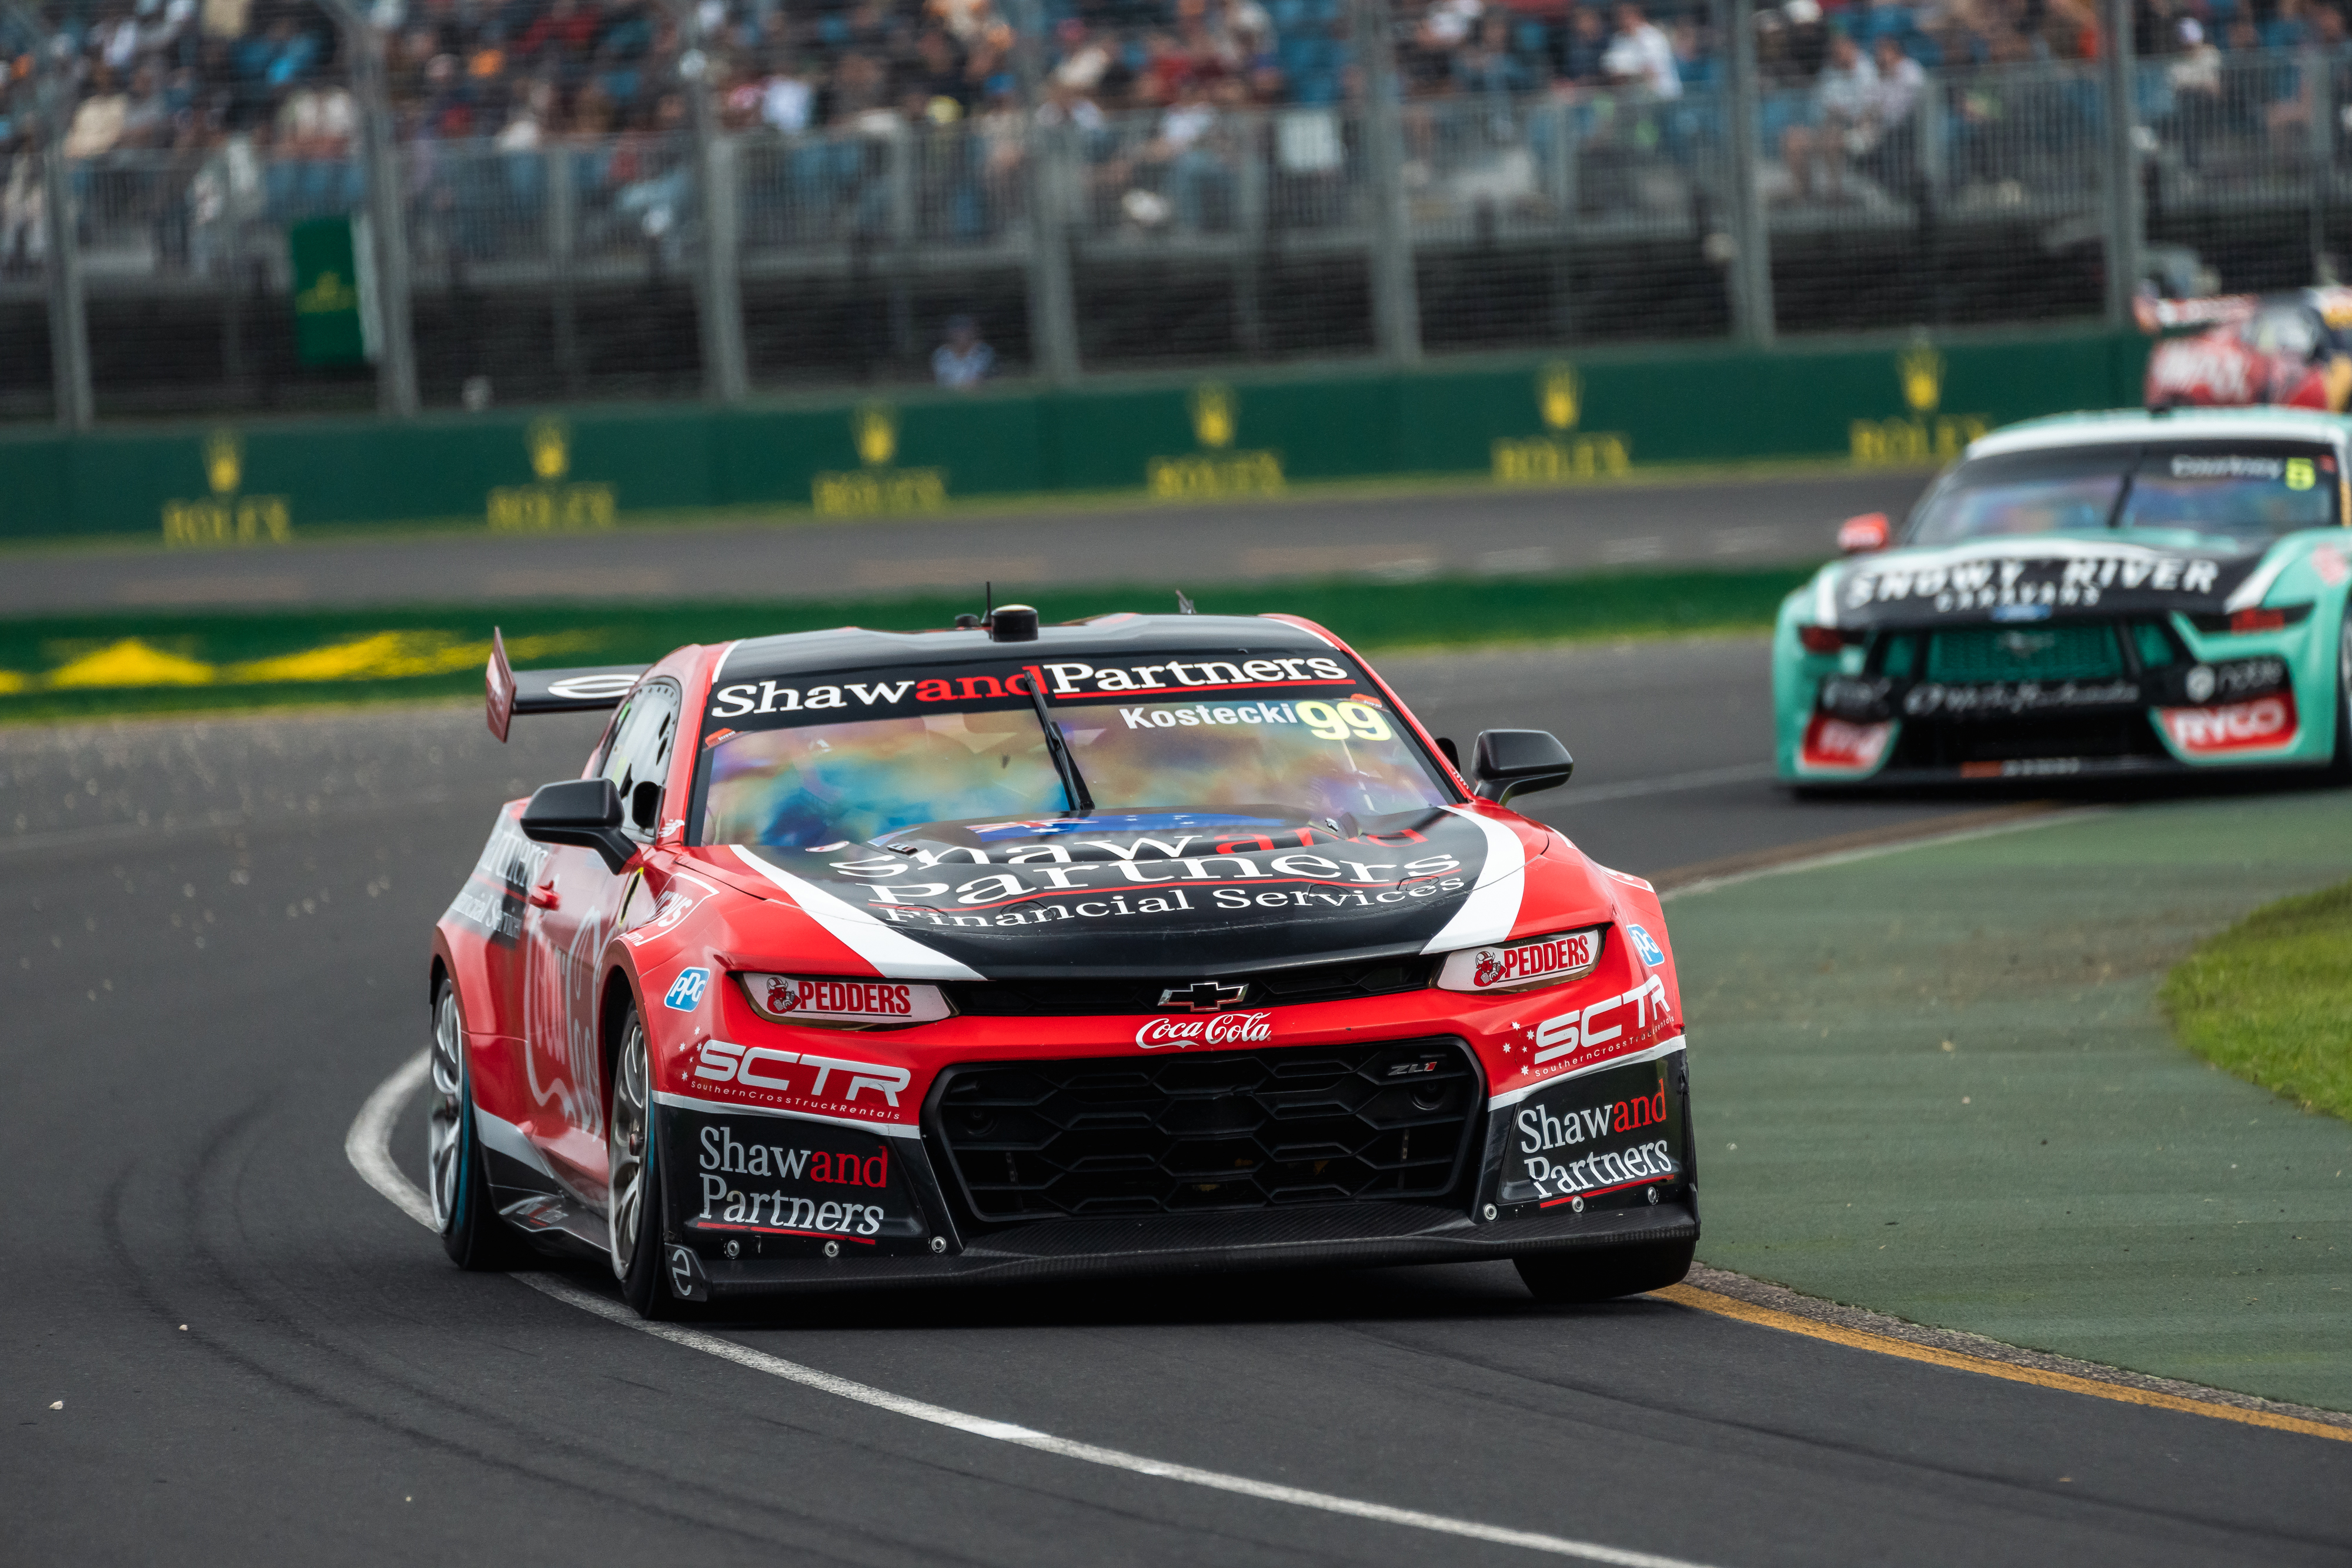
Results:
686 991
1652 954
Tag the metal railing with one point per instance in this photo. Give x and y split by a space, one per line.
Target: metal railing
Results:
1580 214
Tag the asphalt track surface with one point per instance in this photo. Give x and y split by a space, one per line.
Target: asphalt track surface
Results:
216 933
1764 520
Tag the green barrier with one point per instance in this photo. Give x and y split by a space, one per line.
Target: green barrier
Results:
1525 421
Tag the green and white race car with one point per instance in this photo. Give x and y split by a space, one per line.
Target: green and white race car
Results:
2087 594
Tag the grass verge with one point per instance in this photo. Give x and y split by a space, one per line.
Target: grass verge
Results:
91 665
2270 1000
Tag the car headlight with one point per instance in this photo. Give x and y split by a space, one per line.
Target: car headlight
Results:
1523 965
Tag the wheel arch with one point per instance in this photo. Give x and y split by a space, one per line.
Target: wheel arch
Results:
619 993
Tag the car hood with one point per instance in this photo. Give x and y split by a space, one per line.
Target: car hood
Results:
1181 895
2042 577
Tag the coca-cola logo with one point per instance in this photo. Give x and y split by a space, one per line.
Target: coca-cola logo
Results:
1224 1028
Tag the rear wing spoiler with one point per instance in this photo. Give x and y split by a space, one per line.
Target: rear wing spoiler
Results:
507 692
2334 304
2155 315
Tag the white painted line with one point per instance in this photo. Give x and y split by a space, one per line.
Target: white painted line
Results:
1872 851
369 1146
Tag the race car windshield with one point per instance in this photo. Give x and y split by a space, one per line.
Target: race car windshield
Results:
2236 495
1252 751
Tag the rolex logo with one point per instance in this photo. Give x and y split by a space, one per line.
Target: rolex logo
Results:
1212 414
1559 396
550 450
875 430
1922 370
224 462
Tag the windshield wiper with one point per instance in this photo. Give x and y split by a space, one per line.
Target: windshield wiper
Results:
1074 788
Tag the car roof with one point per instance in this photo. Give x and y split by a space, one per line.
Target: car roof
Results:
848 648
2136 424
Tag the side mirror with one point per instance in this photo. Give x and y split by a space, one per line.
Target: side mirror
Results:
1860 536
1520 761
582 811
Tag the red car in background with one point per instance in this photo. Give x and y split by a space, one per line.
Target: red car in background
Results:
2292 349
858 958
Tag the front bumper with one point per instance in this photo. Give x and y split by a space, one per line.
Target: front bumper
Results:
777 1202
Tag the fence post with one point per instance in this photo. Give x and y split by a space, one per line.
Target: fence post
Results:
726 362
387 237
1396 304
2123 196
68 317
719 285
2320 92
1751 238
1053 298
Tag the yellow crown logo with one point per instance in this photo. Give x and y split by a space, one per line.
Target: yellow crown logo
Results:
551 449
224 462
1561 396
1212 414
1922 370
876 429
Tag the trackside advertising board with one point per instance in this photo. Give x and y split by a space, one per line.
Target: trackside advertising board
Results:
1560 419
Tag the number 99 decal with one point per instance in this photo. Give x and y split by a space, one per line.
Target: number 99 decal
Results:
1326 722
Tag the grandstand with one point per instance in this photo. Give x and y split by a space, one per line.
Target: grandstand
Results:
1206 173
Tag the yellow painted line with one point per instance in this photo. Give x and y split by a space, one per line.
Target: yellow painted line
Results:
1859 1338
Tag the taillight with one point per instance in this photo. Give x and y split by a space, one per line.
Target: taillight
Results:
2258 620
1821 639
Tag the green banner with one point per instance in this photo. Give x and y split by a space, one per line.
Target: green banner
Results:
332 285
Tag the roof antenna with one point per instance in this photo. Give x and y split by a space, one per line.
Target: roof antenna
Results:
1184 605
988 597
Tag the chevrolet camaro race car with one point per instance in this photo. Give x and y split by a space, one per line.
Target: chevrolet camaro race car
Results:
1147 943
2092 593
2293 349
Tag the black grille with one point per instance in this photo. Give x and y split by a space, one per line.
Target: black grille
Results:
1134 994
1952 744
1207 1129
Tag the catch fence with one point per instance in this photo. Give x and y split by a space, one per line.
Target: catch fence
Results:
619 266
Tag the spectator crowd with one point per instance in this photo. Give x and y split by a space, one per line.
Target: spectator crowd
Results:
244 105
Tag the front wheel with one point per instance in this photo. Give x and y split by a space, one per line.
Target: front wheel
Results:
1602 1274
471 1231
633 1166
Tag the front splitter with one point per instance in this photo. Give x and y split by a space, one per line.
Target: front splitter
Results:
1355 1236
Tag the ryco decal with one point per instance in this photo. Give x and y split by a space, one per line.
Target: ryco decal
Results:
2240 727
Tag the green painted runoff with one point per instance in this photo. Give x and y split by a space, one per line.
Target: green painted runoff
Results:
1937 1082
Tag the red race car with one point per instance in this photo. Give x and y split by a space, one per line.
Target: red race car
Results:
858 958
2287 348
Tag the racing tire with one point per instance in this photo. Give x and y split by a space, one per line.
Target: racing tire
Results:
1566 1279
633 1166
455 1174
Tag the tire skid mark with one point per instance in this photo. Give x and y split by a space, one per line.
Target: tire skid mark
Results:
267 1317
2236 1530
